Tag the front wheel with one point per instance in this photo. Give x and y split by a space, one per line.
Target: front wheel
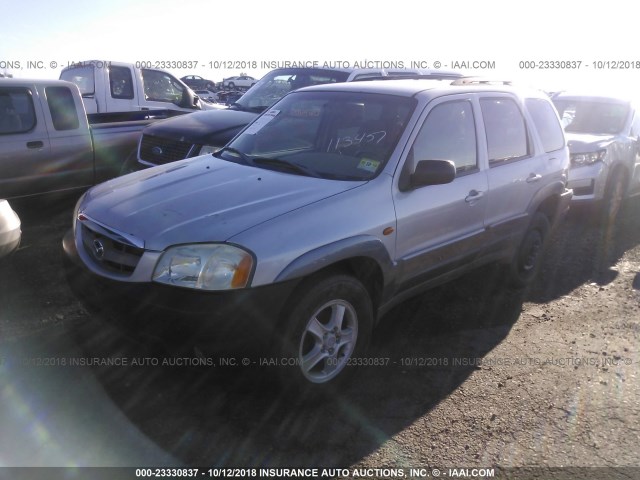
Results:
526 262
328 328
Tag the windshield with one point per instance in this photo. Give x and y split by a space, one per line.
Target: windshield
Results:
337 135
584 116
276 84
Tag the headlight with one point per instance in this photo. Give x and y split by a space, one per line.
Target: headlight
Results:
205 267
580 159
205 149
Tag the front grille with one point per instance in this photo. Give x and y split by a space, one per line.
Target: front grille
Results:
109 253
159 150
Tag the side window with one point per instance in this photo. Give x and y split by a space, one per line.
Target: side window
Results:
505 129
62 108
16 111
121 83
546 122
448 133
161 87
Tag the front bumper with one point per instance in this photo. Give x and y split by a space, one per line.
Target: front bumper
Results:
237 319
588 182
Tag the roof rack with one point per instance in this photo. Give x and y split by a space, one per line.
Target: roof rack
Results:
480 81
412 76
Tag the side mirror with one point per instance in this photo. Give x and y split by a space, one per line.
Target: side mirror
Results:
189 99
432 172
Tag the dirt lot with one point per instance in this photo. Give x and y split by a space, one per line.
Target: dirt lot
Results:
472 375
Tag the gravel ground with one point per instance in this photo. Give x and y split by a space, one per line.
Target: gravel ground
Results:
472 376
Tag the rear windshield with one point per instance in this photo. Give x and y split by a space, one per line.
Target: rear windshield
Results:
83 77
333 135
276 84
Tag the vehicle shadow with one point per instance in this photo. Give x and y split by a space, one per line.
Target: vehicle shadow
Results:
241 416
584 250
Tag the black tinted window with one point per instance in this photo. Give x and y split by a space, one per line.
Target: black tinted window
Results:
505 130
62 108
546 122
448 133
120 82
16 111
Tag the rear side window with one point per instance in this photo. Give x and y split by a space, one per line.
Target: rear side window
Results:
121 83
546 121
62 108
16 111
505 129
448 133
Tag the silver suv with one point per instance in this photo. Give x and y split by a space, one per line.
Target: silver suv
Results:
603 133
334 205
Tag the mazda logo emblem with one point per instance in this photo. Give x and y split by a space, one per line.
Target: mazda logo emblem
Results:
157 151
98 249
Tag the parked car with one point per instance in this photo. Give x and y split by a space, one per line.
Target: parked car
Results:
48 145
336 204
603 132
206 132
241 82
124 87
207 96
9 229
198 83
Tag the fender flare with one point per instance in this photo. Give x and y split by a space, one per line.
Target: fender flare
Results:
359 246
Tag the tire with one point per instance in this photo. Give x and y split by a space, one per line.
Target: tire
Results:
526 262
613 197
231 86
329 325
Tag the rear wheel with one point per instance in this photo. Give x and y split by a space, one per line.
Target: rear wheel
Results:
526 262
327 329
231 86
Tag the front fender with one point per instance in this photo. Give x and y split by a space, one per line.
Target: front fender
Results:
359 246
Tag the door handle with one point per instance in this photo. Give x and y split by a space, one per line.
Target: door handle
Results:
533 177
35 144
474 196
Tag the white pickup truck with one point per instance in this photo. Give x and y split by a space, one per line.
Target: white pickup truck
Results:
123 87
47 144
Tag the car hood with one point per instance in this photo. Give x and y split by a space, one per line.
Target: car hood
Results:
203 199
199 127
586 142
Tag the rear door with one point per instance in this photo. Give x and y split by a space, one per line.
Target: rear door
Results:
441 227
70 161
517 169
24 142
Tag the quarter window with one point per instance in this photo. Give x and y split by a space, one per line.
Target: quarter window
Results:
546 121
505 130
448 133
62 107
16 111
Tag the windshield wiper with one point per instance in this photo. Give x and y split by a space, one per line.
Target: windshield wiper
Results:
243 108
236 152
296 167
